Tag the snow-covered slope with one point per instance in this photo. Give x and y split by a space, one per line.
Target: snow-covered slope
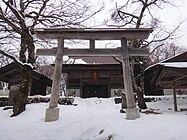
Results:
96 119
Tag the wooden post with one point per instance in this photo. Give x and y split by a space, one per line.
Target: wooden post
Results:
174 97
81 84
52 113
108 84
131 111
92 44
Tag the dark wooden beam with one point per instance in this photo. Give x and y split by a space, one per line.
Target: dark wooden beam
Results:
174 97
46 52
175 78
94 52
93 33
165 79
175 70
92 44
180 78
89 67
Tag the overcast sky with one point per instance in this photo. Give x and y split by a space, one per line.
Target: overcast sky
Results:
170 16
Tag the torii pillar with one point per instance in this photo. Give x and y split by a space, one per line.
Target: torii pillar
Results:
52 113
132 112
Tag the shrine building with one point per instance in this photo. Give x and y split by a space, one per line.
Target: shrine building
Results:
103 79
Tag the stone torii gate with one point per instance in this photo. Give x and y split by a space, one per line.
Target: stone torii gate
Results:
52 113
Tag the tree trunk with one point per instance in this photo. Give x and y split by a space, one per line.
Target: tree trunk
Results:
27 45
139 89
20 98
31 50
139 93
23 49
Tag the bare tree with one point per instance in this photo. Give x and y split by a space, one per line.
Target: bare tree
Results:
164 52
139 14
19 18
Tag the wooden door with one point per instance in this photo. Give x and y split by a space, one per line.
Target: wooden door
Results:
100 91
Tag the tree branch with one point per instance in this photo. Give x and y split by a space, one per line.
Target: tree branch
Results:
9 56
18 15
11 24
38 14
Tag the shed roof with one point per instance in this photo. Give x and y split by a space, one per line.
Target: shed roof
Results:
166 73
11 71
170 74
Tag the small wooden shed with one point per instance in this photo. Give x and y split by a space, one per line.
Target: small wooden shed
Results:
11 75
164 75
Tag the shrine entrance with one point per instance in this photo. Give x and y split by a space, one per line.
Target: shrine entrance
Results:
125 51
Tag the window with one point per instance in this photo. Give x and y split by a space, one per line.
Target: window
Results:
95 76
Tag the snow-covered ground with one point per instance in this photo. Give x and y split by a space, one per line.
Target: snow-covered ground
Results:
96 119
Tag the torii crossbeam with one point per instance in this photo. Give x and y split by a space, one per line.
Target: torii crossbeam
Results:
92 34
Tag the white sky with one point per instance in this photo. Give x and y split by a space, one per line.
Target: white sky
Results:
172 16
169 15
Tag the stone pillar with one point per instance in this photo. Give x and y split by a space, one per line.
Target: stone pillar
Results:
131 111
52 113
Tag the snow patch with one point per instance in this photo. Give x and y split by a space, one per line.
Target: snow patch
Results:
96 119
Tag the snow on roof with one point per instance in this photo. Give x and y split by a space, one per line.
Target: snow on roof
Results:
165 61
175 64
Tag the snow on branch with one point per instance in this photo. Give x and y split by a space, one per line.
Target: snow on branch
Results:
15 59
